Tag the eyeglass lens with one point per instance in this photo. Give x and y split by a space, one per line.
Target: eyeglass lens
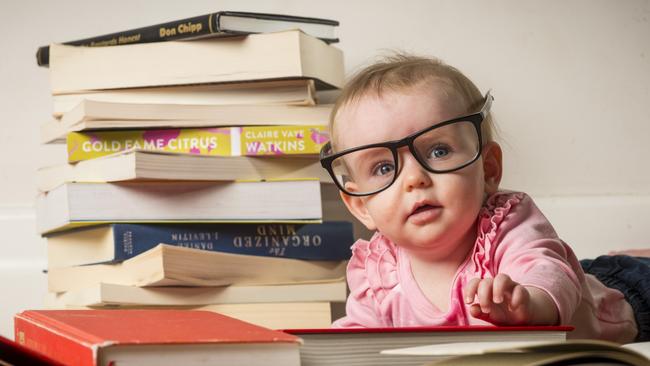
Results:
441 149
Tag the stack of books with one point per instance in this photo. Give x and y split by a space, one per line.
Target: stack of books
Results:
192 178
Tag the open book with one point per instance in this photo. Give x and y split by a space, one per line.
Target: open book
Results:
529 353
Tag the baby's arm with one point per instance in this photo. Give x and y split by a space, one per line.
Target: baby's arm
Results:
503 301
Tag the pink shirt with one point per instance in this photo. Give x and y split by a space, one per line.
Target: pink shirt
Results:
513 238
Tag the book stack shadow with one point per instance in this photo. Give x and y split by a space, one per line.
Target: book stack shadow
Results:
192 179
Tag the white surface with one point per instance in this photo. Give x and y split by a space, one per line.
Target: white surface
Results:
571 81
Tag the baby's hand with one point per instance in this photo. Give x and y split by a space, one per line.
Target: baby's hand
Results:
501 300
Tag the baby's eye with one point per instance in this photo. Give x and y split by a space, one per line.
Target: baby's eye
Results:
439 152
383 169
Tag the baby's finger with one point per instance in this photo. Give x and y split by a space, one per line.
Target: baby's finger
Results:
470 290
485 294
475 311
502 287
520 296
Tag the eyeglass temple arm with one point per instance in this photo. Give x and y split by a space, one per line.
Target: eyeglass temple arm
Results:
488 103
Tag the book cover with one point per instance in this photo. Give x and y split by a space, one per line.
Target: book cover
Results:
114 243
161 337
226 141
167 265
222 23
258 57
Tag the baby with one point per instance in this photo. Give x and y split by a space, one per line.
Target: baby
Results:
413 154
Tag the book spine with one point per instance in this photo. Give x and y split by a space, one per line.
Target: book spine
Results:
54 345
235 141
179 29
327 241
282 140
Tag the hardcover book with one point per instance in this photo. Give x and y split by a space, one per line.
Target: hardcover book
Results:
152 337
82 204
117 242
100 115
225 141
219 24
167 265
285 92
14 354
269 56
107 294
363 345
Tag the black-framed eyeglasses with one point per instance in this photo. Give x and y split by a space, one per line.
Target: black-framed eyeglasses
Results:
442 148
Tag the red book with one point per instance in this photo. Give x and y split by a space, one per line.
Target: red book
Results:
12 353
361 346
152 337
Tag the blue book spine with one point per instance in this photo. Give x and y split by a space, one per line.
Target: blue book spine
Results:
330 241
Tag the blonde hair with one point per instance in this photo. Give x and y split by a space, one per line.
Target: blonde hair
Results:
401 71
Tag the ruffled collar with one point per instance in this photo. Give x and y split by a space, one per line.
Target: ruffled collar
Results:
492 214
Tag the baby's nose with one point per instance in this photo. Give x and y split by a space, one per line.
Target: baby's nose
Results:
413 174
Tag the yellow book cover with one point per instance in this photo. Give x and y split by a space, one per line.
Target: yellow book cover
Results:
225 141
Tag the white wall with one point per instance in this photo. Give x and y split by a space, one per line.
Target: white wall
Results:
571 81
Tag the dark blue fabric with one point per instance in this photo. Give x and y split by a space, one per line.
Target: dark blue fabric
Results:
631 276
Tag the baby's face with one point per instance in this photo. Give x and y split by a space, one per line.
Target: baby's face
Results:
421 209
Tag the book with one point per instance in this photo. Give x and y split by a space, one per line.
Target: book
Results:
82 204
286 92
224 141
532 353
152 337
309 315
115 243
362 346
277 315
108 294
137 165
219 24
168 265
100 115
14 354
258 57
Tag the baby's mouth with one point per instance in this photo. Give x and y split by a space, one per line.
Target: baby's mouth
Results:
423 212
423 208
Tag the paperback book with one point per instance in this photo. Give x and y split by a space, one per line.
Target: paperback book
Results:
114 243
112 295
139 165
281 92
225 141
168 265
258 57
277 315
82 204
101 115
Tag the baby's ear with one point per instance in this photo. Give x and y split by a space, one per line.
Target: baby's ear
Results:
492 166
357 207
